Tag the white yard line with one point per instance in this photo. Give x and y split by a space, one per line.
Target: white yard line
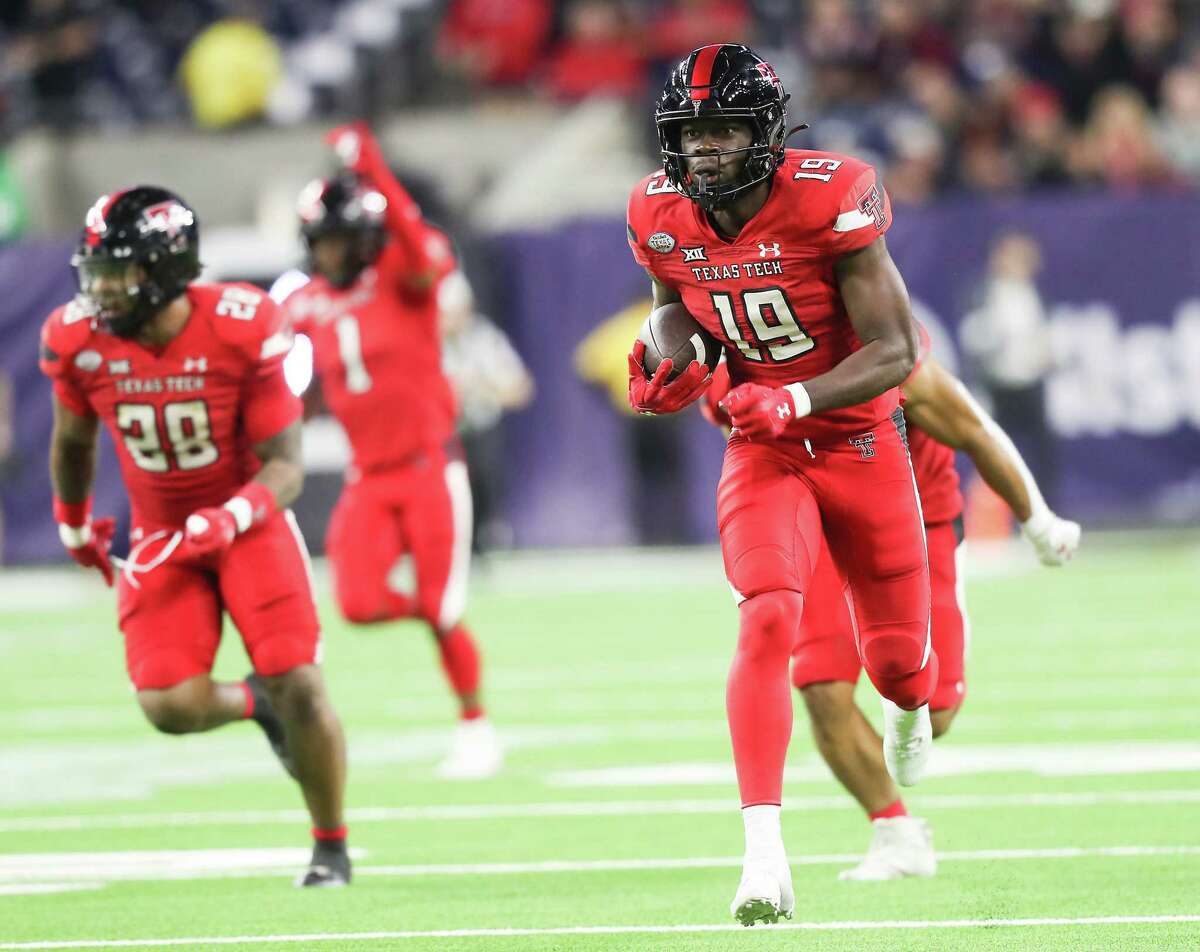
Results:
583 808
843 926
141 866
35 889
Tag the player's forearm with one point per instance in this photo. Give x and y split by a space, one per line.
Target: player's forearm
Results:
283 478
282 472
1001 466
873 369
72 469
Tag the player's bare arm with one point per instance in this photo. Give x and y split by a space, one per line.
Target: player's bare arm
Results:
663 293
283 466
877 303
72 453
937 402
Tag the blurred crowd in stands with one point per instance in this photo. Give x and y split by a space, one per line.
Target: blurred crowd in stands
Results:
945 95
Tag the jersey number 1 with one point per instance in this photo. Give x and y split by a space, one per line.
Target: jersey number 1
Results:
350 348
781 335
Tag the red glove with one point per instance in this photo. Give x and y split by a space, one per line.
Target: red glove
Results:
658 396
710 403
758 412
209 530
355 145
86 541
214 528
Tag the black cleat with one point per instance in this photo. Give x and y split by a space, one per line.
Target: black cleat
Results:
329 867
266 718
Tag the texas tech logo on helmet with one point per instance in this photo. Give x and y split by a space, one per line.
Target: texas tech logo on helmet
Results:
170 218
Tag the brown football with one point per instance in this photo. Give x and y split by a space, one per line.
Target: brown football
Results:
670 331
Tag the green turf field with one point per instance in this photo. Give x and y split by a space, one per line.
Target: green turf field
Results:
1065 802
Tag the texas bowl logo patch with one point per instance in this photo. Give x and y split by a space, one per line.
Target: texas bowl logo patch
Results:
88 360
661 242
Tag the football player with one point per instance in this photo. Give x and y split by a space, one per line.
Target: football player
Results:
371 311
780 254
188 378
942 417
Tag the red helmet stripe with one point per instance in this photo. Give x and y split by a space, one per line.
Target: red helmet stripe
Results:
96 225
701 81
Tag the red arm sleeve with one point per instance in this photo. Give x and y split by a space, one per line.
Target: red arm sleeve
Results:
403 217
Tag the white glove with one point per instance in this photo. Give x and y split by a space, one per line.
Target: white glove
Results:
1055 540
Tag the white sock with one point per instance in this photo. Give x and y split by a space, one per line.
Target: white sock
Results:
764 838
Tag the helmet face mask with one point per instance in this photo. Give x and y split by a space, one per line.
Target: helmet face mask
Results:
342 224
139 250
112 288
728 82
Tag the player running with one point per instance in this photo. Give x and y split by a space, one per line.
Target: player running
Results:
942 417
189 380
780 255
371 311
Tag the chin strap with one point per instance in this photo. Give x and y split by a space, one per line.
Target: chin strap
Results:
792 131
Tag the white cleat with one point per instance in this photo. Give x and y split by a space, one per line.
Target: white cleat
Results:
765 892
475 753
901 846
907 741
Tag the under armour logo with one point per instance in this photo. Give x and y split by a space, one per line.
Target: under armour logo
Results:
865 444
693 254
784 410
195 365
768 251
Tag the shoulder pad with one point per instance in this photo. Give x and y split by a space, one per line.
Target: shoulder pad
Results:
64 334
244 317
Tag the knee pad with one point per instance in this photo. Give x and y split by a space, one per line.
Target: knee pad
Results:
358 604
770 623
893 655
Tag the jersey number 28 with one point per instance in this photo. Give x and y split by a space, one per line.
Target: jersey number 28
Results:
188 431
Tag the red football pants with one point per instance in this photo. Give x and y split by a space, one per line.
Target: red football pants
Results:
774 503
171 615
826 650
421 513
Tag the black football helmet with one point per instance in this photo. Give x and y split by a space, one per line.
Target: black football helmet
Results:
147 227
344 205
725 80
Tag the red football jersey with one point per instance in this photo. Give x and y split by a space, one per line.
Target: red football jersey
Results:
933 464
185 417
770 295
377 351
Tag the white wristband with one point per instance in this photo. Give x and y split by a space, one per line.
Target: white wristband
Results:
74 537
800 399
243 512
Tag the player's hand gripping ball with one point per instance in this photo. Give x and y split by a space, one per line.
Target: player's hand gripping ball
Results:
758 412
657 395
209 530
671 361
